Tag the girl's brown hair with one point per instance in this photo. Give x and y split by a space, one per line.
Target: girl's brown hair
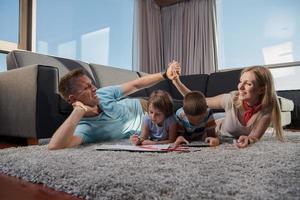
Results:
161 100
67 84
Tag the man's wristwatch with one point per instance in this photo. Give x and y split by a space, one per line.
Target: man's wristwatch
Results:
164 74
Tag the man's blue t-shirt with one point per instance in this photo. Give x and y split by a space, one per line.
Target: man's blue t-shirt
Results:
119 118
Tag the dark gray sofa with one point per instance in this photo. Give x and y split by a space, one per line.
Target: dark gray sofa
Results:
32 108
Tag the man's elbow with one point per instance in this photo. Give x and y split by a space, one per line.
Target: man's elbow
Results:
75 141
52 146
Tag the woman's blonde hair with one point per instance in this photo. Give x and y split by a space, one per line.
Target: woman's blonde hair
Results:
268 98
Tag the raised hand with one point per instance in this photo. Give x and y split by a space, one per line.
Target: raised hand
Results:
174 70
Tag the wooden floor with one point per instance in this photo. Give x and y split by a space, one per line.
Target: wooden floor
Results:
12 188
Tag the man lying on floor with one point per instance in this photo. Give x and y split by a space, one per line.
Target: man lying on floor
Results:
101 114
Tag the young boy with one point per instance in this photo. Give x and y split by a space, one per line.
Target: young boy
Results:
196 121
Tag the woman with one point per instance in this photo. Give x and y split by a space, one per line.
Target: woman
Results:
248 111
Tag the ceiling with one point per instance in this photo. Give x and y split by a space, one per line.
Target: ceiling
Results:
163 3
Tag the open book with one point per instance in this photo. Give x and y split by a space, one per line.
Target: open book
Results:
197 144
141 148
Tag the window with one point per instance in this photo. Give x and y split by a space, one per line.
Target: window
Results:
286 78
9 34
9 23
9 20
94 31
2 62
255 32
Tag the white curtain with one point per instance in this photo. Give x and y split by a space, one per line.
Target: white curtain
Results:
147 41
184 32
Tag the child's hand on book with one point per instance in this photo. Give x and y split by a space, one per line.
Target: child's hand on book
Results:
135 139
212 141
180 140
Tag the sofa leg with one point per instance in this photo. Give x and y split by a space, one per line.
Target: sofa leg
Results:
32 141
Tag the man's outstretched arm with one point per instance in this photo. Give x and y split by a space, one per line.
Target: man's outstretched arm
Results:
140 83
149 80
64 136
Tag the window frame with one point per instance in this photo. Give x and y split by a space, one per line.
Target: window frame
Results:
26 28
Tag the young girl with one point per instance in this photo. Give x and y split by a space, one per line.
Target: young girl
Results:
159 126
249 110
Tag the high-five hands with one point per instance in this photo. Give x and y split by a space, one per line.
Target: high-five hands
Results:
174 70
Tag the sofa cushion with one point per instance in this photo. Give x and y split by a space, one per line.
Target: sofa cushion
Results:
163 85
106 76
17 59
195 82
222 82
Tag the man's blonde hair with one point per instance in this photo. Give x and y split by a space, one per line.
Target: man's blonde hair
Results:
67 84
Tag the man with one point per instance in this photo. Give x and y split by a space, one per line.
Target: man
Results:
103 114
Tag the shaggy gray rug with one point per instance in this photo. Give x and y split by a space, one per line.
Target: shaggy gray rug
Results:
267 170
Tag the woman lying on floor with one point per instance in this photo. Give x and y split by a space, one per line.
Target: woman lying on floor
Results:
248 111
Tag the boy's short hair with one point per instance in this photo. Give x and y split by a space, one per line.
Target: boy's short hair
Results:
67 83
194 103
161 100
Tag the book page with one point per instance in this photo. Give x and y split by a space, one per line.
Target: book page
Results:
141 148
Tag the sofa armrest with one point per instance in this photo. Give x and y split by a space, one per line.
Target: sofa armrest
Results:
29 102
18 90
